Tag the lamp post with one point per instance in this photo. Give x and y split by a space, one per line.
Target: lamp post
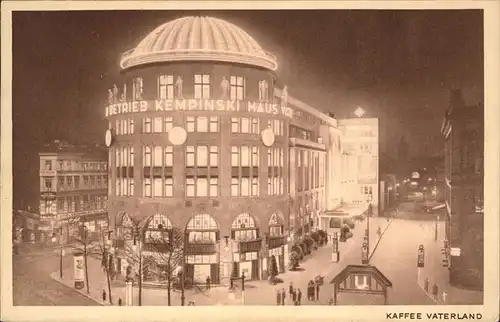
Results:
84 242
138 249
106 260
54 239
368 215
183 271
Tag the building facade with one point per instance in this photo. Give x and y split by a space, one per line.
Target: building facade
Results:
463 131
73 189
201 139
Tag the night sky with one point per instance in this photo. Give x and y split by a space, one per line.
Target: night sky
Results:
398 65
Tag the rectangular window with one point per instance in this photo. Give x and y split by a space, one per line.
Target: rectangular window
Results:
157 187
190 192
169 187
201 187
158 156
234 187
124 126
169 156
255 187
118 127
169 123
146 161
157 124
214 124
190 123
255 125
130 186
166 87
147 187
235 124
131 156
138 88
237 88
235 156
245 125
245 187
214 187
146 125
202 124
202 156
214 156
48 165
255 156
245 156
201 86
190 156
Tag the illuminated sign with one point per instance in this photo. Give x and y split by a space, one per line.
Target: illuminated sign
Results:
197 105
415 175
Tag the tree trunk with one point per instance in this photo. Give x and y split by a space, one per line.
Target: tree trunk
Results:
86 267
168 283
140 279
109 285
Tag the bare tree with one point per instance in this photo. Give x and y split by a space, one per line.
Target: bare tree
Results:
103 253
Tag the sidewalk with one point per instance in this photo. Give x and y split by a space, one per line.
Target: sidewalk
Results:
438 275
256 293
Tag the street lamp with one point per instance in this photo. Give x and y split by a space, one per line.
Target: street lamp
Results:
54 240
84 233
359 112
108 250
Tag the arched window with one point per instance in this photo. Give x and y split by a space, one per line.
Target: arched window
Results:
244 228
276 225
158 229
203 229
125 227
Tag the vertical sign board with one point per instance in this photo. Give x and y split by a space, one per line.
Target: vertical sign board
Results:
79 270
420 256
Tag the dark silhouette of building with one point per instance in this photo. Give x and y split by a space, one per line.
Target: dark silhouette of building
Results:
463 128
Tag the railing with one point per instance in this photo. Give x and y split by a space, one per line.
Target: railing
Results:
250 246
276 241
200 249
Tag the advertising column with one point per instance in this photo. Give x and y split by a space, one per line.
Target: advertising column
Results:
79 272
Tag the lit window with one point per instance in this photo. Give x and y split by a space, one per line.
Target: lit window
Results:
190 123
214 124
234 187
245 125
169 187
169 156
282 157
235 125
169 123
125 157
157 187
201 86
255 187
190 187
124 126
118 127
166 87
157 156
214 156
237 88
201 187
147 187
146 162
245 156
118 157
157 124
131 151
202 124
131 186
235 156
138 88
255 125
214 187
190 156
255 156
202 156
146 125
131 125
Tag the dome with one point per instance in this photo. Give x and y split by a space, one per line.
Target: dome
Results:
198 39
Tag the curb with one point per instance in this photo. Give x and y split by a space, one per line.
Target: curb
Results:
428 295
52 275
379 239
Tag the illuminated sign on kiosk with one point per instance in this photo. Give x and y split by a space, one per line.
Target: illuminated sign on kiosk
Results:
197 105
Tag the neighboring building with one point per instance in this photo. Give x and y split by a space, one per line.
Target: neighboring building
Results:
73 189
463 130
202 139
25 226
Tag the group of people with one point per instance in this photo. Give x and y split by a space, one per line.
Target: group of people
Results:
295 294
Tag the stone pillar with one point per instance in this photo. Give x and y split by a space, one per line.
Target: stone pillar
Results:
263 259
285 254
225 260
128 293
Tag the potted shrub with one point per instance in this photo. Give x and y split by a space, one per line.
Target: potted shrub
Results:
315 236
294 261
273 269
296 248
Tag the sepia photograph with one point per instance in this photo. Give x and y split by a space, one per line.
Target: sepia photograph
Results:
250 157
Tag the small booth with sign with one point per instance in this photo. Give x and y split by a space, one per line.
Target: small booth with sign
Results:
358 280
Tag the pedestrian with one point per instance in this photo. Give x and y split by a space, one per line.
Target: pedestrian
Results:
299 296
208 282
103 295
278 297
317 292
283 296
294 297
445 295
290 288
120 301
310 292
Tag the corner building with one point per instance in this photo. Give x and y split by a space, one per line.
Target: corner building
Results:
201 141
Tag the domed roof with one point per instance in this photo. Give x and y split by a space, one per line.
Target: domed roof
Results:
198 39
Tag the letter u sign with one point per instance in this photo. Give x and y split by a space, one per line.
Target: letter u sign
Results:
361 282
